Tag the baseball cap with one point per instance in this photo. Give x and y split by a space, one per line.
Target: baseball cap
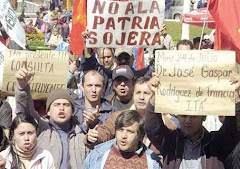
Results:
206 37
123 70
119 51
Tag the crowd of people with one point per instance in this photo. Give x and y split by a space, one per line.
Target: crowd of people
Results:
106 119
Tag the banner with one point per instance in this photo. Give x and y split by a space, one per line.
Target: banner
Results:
124 24
11 23
79 22
2 50
195 82
49 68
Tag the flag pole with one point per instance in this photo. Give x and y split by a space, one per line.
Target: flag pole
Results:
204 25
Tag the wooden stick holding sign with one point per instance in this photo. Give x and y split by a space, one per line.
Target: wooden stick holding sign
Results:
195 82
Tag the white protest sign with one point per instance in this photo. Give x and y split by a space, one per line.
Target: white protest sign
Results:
195 82
2 50
124 24
11 23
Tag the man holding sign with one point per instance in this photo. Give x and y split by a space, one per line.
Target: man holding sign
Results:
191 146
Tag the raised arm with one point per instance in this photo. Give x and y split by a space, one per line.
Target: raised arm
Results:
161 137
24 102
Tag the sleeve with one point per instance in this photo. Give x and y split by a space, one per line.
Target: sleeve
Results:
147 71
159 135
24 104
106 131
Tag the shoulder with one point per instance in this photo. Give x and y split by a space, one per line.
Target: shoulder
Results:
106 146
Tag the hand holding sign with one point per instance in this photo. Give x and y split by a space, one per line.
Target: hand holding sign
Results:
153 83
23 76
235 79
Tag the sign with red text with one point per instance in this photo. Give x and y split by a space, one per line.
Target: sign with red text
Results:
49 70
124 24
11 24
195 82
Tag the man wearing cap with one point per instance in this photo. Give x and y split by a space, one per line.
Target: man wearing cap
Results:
123 56
122 77
59 133
207 44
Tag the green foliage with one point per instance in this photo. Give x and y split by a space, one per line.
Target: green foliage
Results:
35 39
174 29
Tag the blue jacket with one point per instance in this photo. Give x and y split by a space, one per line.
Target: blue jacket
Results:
98 156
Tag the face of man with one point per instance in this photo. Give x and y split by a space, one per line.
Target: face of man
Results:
106 58
141 96
125 59
127 138
123 88
60 111
184 47
93 88
191 126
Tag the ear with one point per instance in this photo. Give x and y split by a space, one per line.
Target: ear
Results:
48 113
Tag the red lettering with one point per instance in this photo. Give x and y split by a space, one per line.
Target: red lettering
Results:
123 20
131 38
154 23
154 6
92 38
110 23
98 20
156 39
147 23
136 22
140 8
107 38
113 8
144 37
123 36
129 8
98 6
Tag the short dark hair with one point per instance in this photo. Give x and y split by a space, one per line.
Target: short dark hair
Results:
94 72
196 40
141 80
127 118
185 42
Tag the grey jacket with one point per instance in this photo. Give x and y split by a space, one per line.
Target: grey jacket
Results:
49 137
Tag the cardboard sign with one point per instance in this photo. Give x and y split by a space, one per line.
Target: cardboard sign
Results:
124 24
11 23
49 67
195 82
2 50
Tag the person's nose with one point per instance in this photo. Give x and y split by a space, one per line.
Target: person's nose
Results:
26 137
124 134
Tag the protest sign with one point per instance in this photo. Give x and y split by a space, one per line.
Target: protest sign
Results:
2 50
195 82
11 23
124 24
49 70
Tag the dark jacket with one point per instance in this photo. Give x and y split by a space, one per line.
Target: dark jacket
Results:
105 109
215 146
92 64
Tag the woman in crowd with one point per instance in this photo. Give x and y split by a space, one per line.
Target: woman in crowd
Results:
23 152
55 39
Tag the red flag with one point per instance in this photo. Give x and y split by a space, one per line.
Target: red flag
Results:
79 23
226 14
140 58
